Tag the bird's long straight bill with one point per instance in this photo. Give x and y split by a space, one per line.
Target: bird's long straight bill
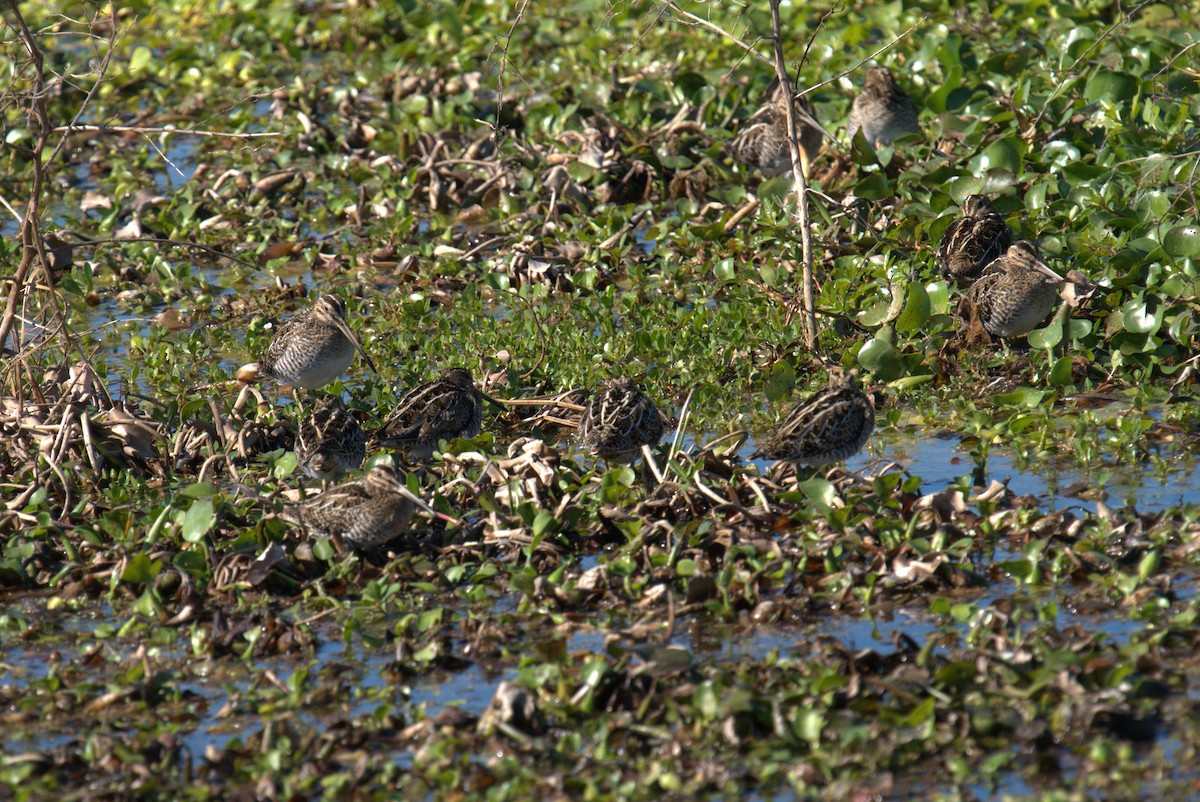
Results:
341 324
1043 268
421 505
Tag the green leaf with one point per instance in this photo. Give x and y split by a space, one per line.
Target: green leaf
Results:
140 569
1183 240
139 59
1142 316
1060 374
429 619
191 562
1047 337
782 380
820 492
881 358
1025 397
1111 85
686 567
198 520
1003 154
916 309
542 522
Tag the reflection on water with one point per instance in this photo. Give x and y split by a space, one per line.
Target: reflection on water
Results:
943 462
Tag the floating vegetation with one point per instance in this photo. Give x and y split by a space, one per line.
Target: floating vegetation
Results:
489 234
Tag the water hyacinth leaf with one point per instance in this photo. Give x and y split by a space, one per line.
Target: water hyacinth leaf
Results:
876 315
140 569
820 492
542 522
809 724
881 358
190 562
1048 337
428 619
198 520
916 309
939 297
1078 329
1110 85
1060 374
1183 241
1142 315
782 380
725 271
1003 154
1022 397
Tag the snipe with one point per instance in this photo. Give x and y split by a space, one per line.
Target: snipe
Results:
831 425
883 110
362 514
450 406
762 143
330 441
973 241
1016 293
310 350
619 421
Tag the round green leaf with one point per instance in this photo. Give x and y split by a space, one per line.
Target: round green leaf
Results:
1049 337
1060 374
1142 316
916 309
198 520
881 358
1110 85
820 492
1003 154
1026 397
1183 240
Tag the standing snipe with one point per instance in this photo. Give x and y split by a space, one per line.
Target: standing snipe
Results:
619 421
310 350
882 110
330 441
363 513
831 425
762 144
450 406
1016 293
973 241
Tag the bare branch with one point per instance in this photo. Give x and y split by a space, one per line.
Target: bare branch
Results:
691 19
168 129
798 179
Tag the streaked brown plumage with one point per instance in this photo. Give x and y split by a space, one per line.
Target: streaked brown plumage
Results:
973 241
312 349
450 406
762 142
364 513
883 110
330 441
618 421
831 425
1016 293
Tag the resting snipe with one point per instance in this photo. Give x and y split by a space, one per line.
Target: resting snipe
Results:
883 110
973 241
450 406
363 513
330 441
619 421
310 350
1016 293
831 425
762 144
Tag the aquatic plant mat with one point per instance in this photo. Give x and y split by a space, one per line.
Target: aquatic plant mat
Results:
997 599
